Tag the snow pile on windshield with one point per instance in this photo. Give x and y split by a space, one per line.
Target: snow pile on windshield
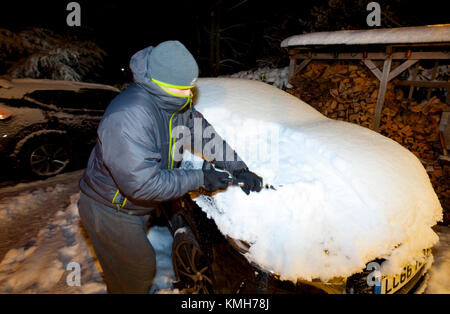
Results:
344 196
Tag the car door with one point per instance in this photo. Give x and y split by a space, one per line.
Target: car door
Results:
17 118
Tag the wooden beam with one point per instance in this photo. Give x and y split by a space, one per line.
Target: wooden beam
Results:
372 67
294 69
302 65
381 92
402 67
432 84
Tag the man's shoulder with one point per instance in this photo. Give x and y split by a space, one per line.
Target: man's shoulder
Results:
132 95
134 99
131 106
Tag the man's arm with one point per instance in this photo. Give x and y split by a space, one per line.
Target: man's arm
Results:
230 160
129 153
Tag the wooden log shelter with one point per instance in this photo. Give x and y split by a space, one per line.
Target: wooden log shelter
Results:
404 46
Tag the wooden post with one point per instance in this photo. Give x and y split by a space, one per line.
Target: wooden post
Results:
411 89
382 91
294 69
292 65
384 77
433 77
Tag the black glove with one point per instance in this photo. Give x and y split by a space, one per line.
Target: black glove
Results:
251 182
214 180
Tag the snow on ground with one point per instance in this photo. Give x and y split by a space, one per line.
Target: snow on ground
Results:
439 281
161 239
42 264
345 194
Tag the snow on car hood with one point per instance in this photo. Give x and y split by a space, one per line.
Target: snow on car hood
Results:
345 195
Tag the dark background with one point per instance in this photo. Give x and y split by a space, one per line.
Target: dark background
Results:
225 36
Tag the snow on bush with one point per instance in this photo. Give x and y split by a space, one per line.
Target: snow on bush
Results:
345 194
277 77
41 53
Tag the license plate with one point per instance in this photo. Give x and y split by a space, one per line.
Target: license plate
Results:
391 284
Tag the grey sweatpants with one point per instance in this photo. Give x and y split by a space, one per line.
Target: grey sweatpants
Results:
120 242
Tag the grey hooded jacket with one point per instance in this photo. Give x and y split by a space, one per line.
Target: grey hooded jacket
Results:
129 169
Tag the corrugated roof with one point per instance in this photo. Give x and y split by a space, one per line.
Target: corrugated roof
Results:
416 34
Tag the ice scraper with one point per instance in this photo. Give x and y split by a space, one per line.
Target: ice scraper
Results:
232 180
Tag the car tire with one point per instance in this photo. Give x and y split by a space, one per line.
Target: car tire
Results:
191 267
45 155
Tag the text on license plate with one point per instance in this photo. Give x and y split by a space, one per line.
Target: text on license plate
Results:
391 284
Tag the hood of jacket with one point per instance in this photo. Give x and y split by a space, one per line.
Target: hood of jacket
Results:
138 65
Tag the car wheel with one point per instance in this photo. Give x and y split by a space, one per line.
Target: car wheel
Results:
190 265
46 156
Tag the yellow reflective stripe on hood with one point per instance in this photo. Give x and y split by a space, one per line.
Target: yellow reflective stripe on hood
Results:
172 85
163 86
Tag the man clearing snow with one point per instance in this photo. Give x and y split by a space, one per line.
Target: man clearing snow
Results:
133 168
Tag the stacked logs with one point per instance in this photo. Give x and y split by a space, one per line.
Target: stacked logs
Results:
440 179
349 92
415 125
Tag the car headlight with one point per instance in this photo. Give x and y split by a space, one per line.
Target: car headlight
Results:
5 114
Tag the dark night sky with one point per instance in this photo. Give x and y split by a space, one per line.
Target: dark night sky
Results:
118 26
116 22
123 27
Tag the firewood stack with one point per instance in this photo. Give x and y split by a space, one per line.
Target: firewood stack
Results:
348 92
440 178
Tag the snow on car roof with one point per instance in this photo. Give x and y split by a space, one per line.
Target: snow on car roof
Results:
17 88
417 34
250 100
345 194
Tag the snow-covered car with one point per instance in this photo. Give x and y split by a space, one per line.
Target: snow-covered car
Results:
349 211
45 123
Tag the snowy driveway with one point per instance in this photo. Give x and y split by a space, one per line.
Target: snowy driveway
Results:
41 236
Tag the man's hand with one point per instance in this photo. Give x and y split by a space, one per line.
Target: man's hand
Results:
251 182
214 180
